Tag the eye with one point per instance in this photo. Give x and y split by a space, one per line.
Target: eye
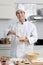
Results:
17 12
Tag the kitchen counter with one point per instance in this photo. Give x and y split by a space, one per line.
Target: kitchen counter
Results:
38 61
34 64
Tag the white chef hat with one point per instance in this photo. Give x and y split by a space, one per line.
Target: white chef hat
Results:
20 7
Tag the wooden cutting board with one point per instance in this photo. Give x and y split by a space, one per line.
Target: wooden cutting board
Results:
35 63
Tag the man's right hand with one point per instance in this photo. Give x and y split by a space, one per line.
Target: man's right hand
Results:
11 32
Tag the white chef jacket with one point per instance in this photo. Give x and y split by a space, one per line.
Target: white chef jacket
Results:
28 29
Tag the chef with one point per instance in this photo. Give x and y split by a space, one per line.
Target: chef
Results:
23 34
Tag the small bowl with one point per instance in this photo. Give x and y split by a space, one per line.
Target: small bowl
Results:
32 56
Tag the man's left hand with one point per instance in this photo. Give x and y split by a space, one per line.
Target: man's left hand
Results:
23 39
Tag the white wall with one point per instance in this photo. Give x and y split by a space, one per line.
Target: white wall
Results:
28 1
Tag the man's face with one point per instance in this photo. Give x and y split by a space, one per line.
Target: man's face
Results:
20 15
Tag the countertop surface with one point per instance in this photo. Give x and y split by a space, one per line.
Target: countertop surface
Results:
39 61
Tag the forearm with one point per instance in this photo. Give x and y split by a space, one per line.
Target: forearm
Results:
32 39
11 32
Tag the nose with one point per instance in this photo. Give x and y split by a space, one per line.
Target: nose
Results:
19 14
